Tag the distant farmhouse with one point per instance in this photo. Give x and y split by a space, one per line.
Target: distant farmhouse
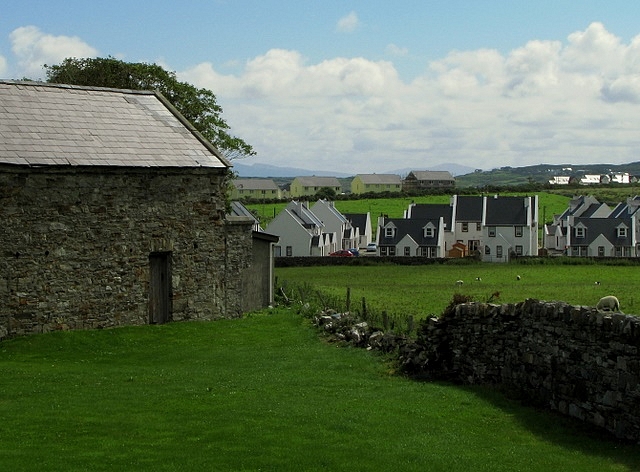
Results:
418 180
113 213
309 186
257 189
376 183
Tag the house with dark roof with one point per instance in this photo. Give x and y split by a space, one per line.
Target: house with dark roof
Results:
418 237
418 180
361 221
335 222
113 212
614 235
376 183
492 227
510 227
555 234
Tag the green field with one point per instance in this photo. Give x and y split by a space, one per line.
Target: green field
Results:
261 393
426 290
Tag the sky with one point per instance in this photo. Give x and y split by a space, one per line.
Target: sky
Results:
372 86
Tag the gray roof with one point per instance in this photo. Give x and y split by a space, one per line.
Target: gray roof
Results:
255 184
391 179
506 211
50 124
314 181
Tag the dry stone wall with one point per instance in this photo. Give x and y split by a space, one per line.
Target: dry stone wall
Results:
571 359
76 245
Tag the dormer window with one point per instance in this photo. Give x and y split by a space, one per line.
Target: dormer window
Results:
389 231
429 231
581 231
622 231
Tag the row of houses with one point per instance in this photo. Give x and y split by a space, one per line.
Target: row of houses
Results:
494 228
594 179
309 186
589 228
318 230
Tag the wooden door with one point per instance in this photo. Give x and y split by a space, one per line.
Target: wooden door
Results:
160 287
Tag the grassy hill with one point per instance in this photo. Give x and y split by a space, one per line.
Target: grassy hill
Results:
540 173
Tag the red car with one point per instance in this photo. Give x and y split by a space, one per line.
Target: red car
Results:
341 253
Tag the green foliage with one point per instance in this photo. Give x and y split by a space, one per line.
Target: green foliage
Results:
198 105
261 393
326 193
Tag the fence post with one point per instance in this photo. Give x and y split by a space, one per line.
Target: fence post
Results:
364 309
348 299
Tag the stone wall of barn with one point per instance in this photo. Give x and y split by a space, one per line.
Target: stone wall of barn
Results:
75 246
571 359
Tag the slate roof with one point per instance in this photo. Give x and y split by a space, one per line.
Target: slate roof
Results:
50 124
433 211
358 220
431 175
469 208
602 226
506 211
412 227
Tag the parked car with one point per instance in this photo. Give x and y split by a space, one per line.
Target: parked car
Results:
354 251
372 247
342 253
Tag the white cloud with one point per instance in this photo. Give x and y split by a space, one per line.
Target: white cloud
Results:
348 23
33 49
547 101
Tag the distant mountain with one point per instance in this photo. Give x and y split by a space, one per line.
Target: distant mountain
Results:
266 170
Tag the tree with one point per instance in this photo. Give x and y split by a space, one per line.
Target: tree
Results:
326 193
199 106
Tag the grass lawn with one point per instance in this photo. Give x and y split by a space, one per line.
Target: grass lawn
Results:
260 393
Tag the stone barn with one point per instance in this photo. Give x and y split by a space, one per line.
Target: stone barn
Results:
113 213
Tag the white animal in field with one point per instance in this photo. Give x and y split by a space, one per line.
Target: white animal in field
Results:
517 277
608 303
459 282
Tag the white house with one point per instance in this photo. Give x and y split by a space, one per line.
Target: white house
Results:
336 222
510 227
301 232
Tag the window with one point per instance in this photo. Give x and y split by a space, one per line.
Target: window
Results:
289 251
492 231
487 250
518 250
580 232
622 232
478 226
465 227
518 231
407 251
498 251
600 251
388 232
392 250
429 232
